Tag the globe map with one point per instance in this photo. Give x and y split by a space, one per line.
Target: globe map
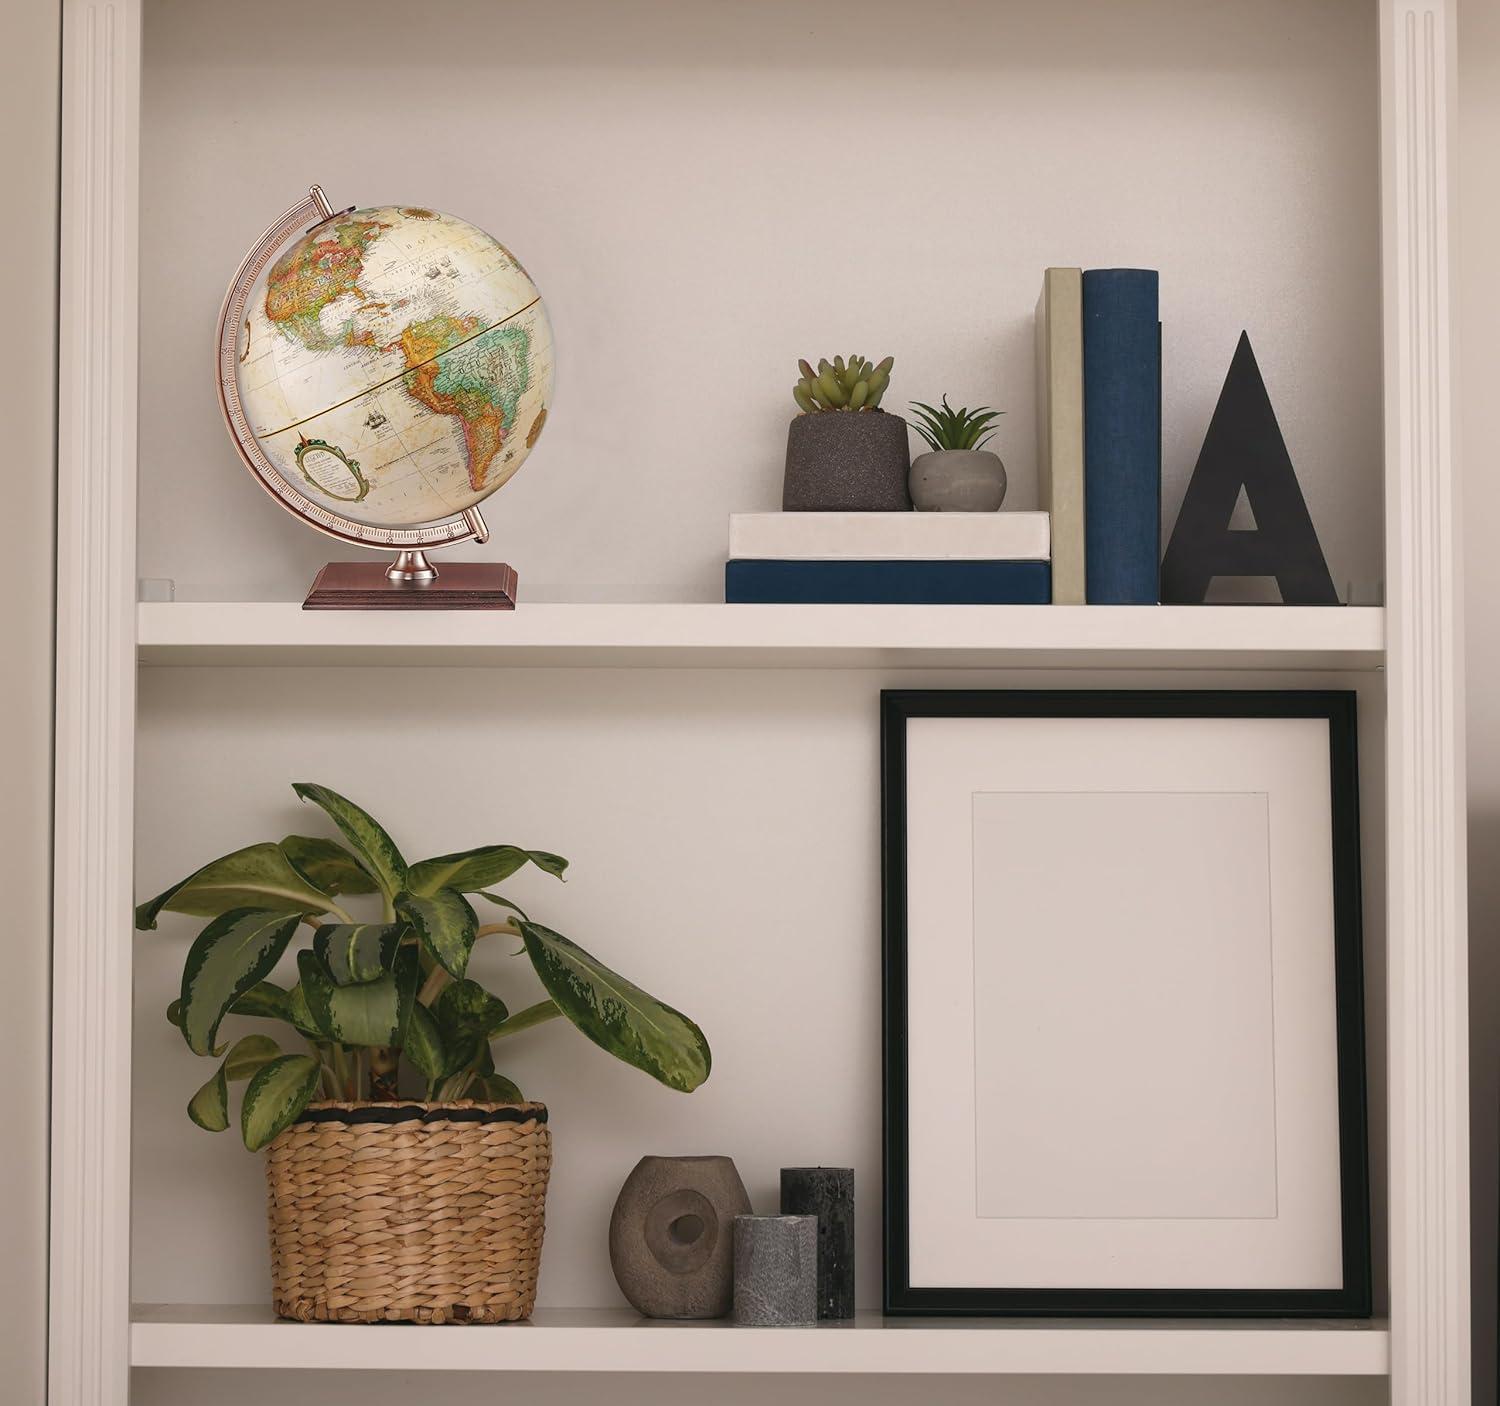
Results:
395 364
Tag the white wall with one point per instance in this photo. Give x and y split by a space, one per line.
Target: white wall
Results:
705 192
29 83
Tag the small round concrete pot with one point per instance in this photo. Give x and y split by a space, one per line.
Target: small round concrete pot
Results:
842 461
957 481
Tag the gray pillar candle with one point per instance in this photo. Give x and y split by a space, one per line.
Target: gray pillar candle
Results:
775 1271
828 1194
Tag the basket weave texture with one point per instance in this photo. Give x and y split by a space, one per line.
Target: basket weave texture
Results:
408 1212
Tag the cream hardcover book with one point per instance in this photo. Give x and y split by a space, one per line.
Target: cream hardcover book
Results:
1059 381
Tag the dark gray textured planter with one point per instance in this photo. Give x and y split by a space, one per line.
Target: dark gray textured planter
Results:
842 461
671 1237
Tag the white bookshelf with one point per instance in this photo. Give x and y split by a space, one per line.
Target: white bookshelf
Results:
617 1341
234 686
769 636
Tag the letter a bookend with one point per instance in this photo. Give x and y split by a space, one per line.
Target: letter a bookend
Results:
1244 450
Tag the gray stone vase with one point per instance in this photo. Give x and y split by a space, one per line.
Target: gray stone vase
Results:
846 461
671 1237
957 481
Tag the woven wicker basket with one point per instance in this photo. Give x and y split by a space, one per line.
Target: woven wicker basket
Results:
408 1212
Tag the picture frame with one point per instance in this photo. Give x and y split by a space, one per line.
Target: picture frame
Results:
1123 1012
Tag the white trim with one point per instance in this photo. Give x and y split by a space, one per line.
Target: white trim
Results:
1428 936
771 636
228 1337
89 1336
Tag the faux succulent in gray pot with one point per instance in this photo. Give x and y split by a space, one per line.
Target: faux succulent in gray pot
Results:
958 474
380 1094
843 452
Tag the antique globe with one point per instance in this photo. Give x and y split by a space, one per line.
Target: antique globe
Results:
382 372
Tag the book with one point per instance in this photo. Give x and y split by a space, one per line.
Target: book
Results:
1122 435
1059 422
888 582
890 536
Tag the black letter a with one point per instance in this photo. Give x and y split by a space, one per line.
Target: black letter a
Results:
1244 450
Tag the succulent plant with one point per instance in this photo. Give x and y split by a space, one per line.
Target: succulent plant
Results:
947 428
842 385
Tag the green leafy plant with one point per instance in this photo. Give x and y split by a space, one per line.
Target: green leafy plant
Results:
946 428
842 385
376 999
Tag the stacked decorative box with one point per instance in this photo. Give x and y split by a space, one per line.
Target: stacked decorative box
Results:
889 558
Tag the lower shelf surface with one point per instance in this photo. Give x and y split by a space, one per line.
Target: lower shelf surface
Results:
617 1340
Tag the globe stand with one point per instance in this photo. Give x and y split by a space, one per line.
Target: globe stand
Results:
412 569
400 585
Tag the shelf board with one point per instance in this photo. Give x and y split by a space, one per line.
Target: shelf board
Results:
769 636
616 1340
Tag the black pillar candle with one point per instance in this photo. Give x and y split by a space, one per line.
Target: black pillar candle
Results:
828 1194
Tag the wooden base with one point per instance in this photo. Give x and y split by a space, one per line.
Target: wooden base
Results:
460 585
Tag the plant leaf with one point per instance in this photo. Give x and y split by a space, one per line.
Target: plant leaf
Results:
248 1054
230 955
617 1015
500 901
464 1010
264 999
423 1045
299 1015
446 925
367 1014
355 952
374 847
407 970
496 1088
259 876
209 1107
277 1094
327 865
477 869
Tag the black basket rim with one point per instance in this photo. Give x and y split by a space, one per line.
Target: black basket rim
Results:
415 1111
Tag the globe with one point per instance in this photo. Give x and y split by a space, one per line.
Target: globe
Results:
394 365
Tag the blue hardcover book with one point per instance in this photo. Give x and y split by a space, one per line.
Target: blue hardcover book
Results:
888 582
1122 436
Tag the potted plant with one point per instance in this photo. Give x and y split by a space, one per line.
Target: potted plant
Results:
425 1207
959 474
843 452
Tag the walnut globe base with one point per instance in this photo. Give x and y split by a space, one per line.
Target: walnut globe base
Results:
374 585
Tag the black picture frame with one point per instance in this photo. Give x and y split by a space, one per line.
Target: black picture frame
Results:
1353 1298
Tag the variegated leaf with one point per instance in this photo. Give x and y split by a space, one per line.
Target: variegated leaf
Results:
495 1088
259 876
616 1014
465 1009
424 1043
209 1107
278 1092
376 850
476 869
446 925
367 1014
230 955
355 952
327 865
